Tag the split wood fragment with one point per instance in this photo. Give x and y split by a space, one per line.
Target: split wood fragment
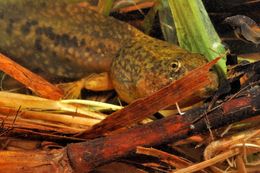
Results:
32 81
84 157
93 153
173 160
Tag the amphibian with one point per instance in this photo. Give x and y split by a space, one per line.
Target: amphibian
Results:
72 41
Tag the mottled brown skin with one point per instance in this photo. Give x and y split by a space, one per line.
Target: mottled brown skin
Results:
68 40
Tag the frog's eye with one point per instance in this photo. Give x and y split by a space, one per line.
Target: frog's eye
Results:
175 66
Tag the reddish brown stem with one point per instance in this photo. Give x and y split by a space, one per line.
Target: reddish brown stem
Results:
88 155
32 81
84 157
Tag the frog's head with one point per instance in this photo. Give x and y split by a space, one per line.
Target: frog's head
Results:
140 70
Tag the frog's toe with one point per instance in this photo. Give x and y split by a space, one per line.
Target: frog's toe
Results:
72 90
93 82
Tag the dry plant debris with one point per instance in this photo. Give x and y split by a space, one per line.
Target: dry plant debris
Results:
74 120
32 81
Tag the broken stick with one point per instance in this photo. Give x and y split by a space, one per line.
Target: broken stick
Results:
84 157
32 81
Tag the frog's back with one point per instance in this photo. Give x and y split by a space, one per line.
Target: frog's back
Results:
61 39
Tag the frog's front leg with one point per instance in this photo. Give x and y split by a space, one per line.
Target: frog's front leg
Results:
93 82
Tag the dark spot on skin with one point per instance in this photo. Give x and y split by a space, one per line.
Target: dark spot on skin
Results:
74 42
37 44
50 34
34 22
43 4
91 51
95 34
65 40
82 42
39 31
1 15
57 39
138 47
54 54
156 66
87 49
9 28
101 46
60 39
48 31
25 29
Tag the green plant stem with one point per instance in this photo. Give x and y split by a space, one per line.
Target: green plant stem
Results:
104 6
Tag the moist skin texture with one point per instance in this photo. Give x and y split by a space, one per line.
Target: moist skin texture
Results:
69 40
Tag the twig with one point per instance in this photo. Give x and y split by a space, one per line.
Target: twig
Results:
32 81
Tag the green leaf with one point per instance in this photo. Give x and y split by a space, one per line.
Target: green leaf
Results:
195 31
167 22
